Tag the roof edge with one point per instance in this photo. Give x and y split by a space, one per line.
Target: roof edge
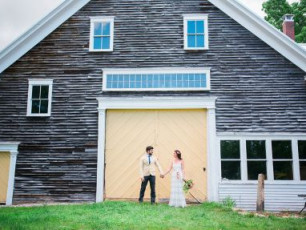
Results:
38 32
264 31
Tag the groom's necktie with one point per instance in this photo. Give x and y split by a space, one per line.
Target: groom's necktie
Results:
149 159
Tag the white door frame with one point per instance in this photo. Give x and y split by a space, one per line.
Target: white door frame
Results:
12 149
162 102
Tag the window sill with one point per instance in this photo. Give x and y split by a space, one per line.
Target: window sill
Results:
38 115
196 49
254 182
110 50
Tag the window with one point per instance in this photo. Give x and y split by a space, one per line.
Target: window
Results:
282 160
230 159
302 158
156 79
195 32
101 34
39 97
256 158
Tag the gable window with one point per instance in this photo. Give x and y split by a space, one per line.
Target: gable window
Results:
39 97
101 34
156 79
230 159
195 32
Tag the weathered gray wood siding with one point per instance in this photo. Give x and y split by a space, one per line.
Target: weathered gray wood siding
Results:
258 89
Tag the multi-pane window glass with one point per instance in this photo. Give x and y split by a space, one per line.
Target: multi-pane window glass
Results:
157 81
302 158
256 158
230 159
195 34
282 160
40 101
102 36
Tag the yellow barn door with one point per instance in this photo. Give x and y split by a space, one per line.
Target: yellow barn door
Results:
128 132
4 175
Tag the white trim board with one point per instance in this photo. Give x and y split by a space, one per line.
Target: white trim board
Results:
105 103
12 148
263 30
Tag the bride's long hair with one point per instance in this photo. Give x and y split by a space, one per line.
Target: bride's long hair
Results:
179 154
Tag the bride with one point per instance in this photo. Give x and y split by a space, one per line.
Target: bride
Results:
177 198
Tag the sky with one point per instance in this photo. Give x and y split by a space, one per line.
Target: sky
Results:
17 16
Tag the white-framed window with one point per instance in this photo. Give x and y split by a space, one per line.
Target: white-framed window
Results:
156 79
39 97
282 159
195 32
279 158
230 159
256 158
101 34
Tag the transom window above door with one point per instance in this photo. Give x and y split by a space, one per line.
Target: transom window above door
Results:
101 34
195 32
156 79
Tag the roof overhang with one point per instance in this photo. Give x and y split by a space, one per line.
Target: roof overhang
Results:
263 30
39 31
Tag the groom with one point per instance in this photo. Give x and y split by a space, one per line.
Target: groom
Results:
147 173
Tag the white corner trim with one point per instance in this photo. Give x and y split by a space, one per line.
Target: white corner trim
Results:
171 102
263 30
109 19
12 148
38 32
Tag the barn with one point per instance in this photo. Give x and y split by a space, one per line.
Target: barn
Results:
86 89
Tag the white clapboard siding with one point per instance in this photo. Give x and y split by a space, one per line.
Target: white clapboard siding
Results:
278 197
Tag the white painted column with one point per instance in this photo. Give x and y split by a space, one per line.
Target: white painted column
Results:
212 170
295 160
101 155
243 160
269 160
11 180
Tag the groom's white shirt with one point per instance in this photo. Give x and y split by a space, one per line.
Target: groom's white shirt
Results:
147 169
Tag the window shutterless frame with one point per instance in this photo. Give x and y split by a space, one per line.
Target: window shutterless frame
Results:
39 82
268 138
196 17
93 20
143 74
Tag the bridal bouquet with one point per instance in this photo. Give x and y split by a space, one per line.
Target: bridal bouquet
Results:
187 185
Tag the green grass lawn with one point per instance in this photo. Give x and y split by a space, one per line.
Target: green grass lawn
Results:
130 215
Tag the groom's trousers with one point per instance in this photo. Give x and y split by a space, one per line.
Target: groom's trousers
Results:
144 185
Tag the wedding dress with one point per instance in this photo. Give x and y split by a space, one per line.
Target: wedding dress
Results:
177 198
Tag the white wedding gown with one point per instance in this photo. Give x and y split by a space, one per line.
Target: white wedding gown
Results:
177 198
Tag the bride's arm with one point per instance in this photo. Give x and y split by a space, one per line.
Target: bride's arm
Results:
170 167
183 170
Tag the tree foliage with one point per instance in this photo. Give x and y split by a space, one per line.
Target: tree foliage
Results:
276 9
